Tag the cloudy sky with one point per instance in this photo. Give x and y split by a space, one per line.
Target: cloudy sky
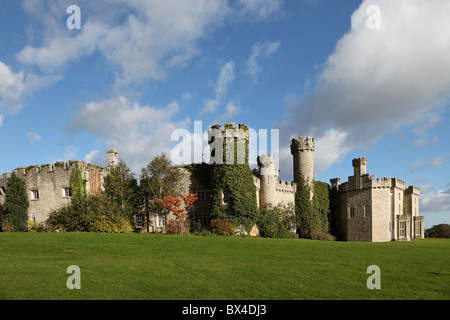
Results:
366 78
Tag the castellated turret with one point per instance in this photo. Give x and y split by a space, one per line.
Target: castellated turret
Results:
268 176
302 150
359 168
113 159
229 145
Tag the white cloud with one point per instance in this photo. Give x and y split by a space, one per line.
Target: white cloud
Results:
260 9
426 188
260 51
226 77
63 49
377 81
435 201
33 137
140 39
434 163
15 87
231 111
11 89
138 132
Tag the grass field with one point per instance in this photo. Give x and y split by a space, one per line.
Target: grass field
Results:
146 266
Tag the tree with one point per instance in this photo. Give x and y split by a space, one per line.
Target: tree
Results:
179 207
159 179
121 188
439 231
17 203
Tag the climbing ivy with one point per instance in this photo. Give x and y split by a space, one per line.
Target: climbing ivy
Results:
305 214
321 199
78 189
236 182
312 216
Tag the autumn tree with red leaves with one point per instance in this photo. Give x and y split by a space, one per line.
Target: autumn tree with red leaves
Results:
174 205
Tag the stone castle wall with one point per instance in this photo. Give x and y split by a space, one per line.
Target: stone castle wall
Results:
376 210
48 185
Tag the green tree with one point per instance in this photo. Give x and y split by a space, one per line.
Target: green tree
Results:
438 231
158 180
121 189
17 203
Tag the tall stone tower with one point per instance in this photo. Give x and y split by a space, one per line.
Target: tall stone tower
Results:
359 169
268 176
302 150
233 190
230 145
113 159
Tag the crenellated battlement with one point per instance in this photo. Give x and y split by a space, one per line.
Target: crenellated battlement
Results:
303 144
395 182
53 167
413 190
266 164
230 130
359 162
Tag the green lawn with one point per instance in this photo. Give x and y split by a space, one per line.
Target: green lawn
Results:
146 266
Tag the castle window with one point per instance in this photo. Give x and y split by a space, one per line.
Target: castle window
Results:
161 221
366 211
33 217
203 195
67 192
226 196
35 194
202 219
139 221
351 212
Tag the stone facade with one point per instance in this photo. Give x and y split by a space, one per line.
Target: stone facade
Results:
362 209
369 209
48 185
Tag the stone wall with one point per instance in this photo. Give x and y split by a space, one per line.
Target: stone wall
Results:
48 185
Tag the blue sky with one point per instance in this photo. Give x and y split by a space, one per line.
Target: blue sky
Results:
364 83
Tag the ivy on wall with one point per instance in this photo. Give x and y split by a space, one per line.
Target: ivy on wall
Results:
312 216
235 182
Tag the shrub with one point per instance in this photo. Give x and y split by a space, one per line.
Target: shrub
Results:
271 226
41 227
111 225
176 227
7 225
222 227
321 236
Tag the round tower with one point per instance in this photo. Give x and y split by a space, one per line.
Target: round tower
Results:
302 150
230 145
268 176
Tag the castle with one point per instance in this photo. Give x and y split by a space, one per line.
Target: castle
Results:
362 209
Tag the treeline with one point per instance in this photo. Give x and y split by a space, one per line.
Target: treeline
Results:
439 231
